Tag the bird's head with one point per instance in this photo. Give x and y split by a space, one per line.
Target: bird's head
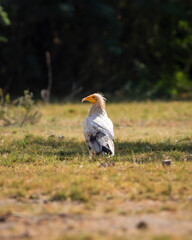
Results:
95 98
91 98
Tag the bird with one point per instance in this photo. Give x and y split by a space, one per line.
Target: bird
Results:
98 128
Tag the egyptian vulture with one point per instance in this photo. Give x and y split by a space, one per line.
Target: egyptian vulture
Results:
98 128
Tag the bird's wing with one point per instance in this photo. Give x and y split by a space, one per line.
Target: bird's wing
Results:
95 124
99 134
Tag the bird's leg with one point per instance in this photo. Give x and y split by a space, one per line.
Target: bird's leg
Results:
91 154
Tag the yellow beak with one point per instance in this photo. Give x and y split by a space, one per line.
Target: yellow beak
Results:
89 99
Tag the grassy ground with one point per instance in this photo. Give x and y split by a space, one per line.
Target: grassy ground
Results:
50 189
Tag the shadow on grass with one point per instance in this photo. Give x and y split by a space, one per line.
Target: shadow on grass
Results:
143 147
34 149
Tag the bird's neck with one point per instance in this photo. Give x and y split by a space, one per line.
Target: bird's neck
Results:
97 108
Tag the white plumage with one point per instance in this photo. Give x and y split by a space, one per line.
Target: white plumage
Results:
98 128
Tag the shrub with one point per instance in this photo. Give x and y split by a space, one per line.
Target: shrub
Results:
20 111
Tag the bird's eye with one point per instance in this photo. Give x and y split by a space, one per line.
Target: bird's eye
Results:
93 97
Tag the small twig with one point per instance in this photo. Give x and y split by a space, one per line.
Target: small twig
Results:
50 77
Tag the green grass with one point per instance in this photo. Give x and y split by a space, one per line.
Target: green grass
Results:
44 174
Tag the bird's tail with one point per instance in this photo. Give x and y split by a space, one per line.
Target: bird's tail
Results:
108 149
103 144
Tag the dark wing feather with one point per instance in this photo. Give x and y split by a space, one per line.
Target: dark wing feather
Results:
102 143
95 144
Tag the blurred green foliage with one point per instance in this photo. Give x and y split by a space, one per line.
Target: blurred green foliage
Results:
4 17
4 20
136 49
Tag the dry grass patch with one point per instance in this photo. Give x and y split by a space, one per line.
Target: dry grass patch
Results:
54 179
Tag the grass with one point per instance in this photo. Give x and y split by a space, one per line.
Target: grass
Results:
42 173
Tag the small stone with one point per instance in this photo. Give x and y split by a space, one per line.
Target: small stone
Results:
142 225
166 162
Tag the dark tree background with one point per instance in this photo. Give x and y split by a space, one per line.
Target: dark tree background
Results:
138 48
